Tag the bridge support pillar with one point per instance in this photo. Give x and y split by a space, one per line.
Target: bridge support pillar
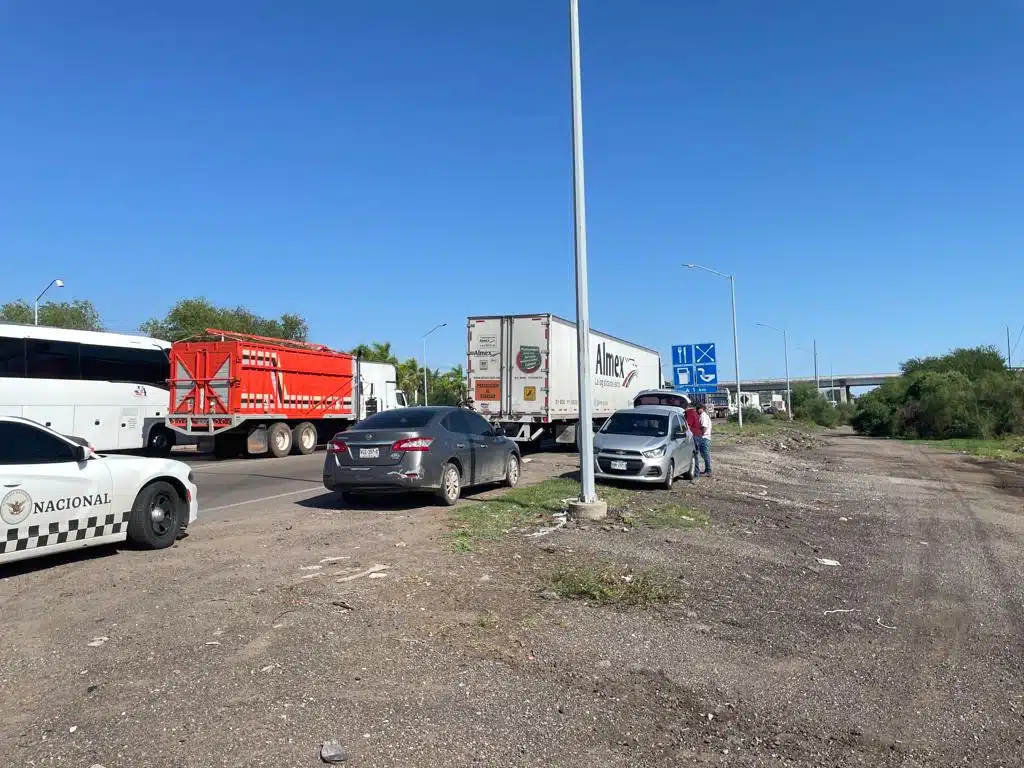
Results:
845 394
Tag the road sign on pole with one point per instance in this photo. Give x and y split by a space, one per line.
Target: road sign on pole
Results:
682 354
694 368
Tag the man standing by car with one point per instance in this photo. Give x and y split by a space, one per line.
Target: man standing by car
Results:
703 438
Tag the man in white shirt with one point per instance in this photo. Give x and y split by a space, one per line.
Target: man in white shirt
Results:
703 440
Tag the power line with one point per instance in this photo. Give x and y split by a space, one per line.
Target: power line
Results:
1018 340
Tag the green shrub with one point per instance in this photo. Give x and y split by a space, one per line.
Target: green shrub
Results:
750 416
810 405
967 394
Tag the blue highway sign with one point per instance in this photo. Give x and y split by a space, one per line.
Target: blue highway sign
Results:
682 354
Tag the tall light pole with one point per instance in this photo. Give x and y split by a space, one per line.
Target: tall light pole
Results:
55 282
439 325
588 506
735 333
785 341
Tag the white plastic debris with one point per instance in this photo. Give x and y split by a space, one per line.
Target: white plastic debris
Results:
96 642
826 561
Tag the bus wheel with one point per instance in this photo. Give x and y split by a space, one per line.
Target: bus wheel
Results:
303 438
279 436
156 516
161 440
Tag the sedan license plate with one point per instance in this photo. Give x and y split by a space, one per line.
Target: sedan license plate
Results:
369 453
619 465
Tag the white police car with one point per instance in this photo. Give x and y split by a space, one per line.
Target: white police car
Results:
56 494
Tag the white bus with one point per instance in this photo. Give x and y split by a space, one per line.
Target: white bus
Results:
107 388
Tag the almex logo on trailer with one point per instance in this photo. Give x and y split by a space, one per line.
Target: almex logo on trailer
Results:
615 366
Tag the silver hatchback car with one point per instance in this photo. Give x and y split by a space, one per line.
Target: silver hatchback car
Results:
649 444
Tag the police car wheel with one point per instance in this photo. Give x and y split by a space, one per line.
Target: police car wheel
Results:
156 516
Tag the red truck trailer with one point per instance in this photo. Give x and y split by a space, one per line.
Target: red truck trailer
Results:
255 394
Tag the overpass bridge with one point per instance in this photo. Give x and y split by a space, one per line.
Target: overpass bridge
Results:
843 382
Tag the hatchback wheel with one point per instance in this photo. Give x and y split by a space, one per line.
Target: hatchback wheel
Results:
670 476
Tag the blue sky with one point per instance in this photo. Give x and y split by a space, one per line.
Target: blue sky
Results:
383 167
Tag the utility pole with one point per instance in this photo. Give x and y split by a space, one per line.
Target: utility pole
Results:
588 506
1009 352
789 390
817 384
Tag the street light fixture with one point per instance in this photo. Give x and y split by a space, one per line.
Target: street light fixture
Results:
55 282
439 325
735 334
785 341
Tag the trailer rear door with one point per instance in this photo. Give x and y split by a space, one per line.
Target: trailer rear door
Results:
528 366
485 364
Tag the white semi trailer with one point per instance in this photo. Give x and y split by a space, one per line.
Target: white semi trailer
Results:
522 374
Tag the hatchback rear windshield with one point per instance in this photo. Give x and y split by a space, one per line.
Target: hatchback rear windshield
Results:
400 418
661 399
642 424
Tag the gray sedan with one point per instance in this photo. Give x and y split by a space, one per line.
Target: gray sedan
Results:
436 449
649 444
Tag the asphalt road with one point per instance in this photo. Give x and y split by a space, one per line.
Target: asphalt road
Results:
229 489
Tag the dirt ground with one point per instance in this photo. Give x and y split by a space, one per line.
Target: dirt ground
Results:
257 638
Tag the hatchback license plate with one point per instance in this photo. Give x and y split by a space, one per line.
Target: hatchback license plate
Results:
618 465
369 453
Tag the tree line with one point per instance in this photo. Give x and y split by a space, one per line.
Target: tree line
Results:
968 393
190 317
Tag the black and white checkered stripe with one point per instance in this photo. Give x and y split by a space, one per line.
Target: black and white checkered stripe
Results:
76 529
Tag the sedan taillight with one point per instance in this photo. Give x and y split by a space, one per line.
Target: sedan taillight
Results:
337 446
412 444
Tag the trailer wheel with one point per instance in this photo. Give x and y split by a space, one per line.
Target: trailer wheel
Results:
303 438
161 440
279 437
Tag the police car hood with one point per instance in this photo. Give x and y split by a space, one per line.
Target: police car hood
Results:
146 463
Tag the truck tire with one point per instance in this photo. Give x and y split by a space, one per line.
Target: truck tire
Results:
160 441
279 439
156 515
303 439
227 447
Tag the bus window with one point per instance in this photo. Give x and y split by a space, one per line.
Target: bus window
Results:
12 357
51 359
139 366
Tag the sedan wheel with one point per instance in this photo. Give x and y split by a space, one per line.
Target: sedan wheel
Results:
451 485
512 471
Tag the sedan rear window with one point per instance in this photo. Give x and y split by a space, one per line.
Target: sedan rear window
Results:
400 418
642 424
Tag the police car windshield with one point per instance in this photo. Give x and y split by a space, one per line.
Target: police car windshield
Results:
640 424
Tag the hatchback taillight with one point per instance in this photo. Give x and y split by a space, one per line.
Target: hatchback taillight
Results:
337 446
412 444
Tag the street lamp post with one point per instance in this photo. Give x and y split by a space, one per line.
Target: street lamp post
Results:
588 505
55 282
785 341
735 333
439 325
